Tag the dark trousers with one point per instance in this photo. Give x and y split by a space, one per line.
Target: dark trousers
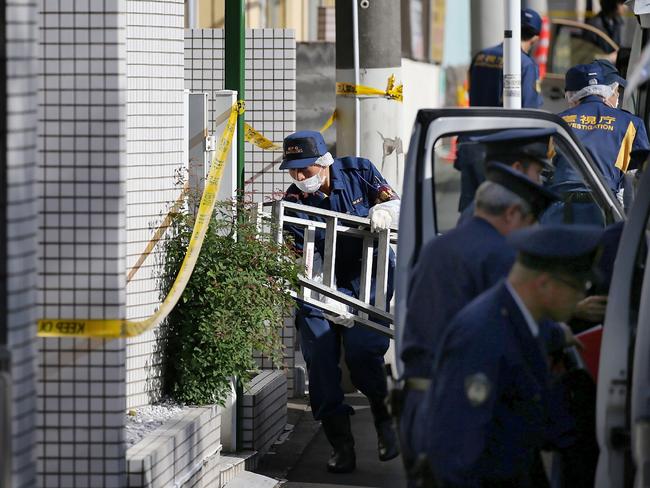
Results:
364 355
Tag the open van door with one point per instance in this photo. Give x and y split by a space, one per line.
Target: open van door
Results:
623 406
431 187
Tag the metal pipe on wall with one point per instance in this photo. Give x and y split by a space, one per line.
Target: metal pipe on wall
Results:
512 55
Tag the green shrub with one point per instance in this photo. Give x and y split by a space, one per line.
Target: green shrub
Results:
234 305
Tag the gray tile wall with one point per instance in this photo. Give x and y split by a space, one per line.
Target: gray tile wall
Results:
154 55
270 94
20 160
82 237
270 109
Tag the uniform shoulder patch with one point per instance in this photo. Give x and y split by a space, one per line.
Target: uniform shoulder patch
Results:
477 389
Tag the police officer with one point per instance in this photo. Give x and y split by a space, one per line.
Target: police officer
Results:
452 270
486 70
488 407
610 21
486 90
614 138
354 186
528 151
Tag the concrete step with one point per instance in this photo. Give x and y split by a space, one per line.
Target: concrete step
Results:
247 479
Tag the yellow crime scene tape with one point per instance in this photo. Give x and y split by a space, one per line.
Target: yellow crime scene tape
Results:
114 328
392 91
257 138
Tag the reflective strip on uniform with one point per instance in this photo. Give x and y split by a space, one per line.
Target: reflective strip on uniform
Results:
623 159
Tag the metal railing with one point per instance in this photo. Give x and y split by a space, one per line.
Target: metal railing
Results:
335 225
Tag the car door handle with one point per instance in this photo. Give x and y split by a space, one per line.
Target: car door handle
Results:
556 93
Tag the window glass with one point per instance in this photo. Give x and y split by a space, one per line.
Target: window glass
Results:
459 169
574 45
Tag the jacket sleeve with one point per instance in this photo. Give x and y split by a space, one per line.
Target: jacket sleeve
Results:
530 96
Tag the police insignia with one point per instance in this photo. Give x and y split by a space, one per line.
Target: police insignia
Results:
477 389
357 201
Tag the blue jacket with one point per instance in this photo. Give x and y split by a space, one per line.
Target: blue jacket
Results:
451 271
487 408
610 134
486 79
356 187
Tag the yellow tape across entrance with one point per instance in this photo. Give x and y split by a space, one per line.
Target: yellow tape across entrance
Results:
114 328
392 91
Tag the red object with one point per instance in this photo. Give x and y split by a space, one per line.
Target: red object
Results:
591 339
541 52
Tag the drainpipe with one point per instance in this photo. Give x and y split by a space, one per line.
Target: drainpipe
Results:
512 55
235 43
355 55
235 22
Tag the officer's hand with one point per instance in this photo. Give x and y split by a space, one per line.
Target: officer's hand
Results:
345 319
592 308
570 339
380 220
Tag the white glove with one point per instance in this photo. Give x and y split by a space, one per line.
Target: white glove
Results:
346 319
380 220
383 215
343 317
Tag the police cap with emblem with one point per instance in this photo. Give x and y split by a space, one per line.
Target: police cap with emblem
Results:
567 249
302 149
509 146
582 75
538 197
610 73
531 20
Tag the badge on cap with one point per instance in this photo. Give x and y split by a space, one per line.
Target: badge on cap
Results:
477 389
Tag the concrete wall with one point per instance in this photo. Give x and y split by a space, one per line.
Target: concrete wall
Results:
20 199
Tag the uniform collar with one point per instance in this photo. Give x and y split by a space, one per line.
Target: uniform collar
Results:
530 321
335 176
592 99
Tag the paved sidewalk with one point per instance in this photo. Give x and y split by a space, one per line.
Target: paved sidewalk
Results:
303 456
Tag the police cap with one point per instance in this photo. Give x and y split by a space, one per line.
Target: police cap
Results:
508 146
610 73
538 197
567 249
302 149
582 75
532 20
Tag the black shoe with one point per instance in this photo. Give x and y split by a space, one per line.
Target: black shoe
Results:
387 444
342 460
339 434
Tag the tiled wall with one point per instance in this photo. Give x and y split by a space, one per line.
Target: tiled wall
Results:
270 108
154 54
20 212
270 93
82 236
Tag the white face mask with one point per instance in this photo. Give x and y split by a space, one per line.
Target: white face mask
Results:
311 184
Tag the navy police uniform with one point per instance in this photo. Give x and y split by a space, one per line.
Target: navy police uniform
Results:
486 90
489 407
356 186
486 72
614 138
452 270
526 146
486 80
